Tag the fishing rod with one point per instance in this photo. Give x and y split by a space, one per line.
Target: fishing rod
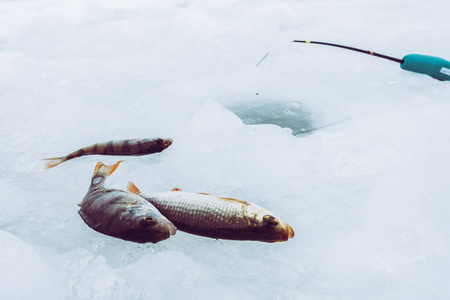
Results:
436 67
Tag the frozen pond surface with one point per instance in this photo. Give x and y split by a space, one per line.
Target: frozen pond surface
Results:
368 198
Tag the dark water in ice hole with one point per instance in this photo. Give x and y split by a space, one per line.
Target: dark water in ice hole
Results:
292 115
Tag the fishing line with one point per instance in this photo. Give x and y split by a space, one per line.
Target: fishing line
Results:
262 59
321 127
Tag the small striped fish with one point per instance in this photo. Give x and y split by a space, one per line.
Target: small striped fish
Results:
217 217
122 214
123 147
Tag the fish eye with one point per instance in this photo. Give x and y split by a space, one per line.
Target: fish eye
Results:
148 221
271 220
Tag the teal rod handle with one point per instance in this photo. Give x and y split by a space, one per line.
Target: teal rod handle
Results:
436 67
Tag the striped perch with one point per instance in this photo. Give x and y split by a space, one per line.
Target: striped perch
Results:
122 214
132 147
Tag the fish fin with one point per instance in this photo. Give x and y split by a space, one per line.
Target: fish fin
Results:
104 170
176 190
204 194
132 188
86 219
234 200
54 161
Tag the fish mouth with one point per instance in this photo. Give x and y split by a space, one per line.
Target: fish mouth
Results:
286 233
169 225
167 143
291 231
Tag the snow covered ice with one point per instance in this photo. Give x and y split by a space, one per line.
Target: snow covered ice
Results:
368 198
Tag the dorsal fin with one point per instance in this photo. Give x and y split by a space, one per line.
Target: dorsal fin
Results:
176 190
234 200
132 188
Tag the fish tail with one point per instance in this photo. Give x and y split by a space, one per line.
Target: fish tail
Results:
103 170
54 161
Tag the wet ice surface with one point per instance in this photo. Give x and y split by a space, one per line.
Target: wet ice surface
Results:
284 114
367 198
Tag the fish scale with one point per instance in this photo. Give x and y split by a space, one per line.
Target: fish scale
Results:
218 217
203 212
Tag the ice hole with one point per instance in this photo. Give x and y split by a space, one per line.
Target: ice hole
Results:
286 114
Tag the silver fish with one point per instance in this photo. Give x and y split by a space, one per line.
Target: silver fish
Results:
122 214
132 147
218 217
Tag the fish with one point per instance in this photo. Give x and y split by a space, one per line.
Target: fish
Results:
122 214
217 217
132 147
